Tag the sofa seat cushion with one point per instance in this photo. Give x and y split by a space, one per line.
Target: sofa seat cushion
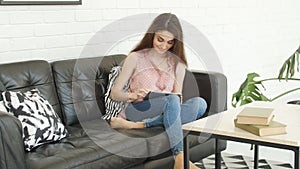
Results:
63 156
158 143
82 149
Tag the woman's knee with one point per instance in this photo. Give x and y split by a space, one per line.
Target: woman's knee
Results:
197 102
202 103
202 106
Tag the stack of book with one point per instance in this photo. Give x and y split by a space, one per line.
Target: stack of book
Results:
259 121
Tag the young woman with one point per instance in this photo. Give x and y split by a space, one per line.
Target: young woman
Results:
157 63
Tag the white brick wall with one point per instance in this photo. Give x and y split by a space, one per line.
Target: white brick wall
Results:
248 35
25 17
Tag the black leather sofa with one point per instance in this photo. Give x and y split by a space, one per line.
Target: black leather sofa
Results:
75 88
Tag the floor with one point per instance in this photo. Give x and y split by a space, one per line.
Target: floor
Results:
230 161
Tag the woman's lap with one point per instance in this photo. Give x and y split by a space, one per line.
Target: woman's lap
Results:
191 110
138 111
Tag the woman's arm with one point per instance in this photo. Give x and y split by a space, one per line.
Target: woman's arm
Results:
128 68
179 77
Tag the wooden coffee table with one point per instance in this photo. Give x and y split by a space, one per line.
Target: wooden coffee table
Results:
221 127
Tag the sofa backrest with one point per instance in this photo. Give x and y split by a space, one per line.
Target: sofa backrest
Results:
81 85
26 75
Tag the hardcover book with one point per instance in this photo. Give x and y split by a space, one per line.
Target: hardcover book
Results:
274 128
255 115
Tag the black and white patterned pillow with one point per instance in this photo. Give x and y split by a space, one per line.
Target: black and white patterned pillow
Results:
39 121
2 107
2 89
113 107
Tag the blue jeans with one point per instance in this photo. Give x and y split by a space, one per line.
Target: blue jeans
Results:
168 112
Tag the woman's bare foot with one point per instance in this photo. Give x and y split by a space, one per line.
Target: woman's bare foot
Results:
120 123
179 163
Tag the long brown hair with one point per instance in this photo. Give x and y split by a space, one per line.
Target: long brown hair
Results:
169 22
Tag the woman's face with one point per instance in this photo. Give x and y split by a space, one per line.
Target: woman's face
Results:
163 41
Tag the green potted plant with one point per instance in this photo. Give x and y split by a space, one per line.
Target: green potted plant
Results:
250 89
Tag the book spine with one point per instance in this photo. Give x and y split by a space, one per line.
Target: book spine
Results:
251 120
248 128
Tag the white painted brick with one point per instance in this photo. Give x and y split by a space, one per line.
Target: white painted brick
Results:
111 37
83 39
112 4
51 29
57 53
26 17
236 3
193 12
14 8
128 4
43 8
5 31
89 15
59 41
5 45
150 4
189 3
156 10
21 31
134 25
59 16
213 29
170 3
97 38
220 15
212 3
276 4
113 14
123 47
80 27
24 44
135 11
15 56
105 25
245 15
91 50
4 18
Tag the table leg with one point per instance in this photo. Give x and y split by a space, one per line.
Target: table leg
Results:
296 160
186 152
256 156
217 155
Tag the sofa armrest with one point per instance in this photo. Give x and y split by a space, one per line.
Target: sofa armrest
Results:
12 153
212 86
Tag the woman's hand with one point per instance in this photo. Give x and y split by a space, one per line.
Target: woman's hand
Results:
140 94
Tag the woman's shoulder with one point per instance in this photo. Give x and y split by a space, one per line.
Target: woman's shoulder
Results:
138 54
132 57
180 66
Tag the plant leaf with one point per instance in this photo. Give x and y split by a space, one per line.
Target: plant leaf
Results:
292 71
297 59
288 68
281 71
248 92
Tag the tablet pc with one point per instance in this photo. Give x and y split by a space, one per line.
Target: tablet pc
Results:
156 94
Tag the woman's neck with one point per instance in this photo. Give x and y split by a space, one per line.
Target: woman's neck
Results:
155 54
